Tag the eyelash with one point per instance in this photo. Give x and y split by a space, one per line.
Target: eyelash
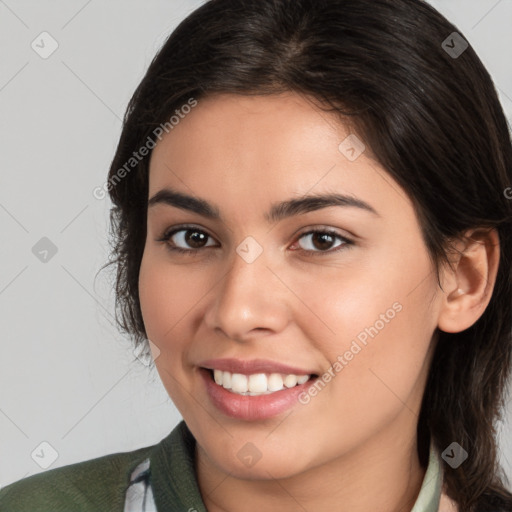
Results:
347 243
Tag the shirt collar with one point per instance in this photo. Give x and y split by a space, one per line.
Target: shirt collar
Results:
174 483
430 492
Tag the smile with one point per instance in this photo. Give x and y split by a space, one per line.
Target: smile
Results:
253 390
257 383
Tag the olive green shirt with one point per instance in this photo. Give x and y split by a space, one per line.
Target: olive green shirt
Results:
166 470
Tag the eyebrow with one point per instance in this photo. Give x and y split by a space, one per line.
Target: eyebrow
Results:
277 212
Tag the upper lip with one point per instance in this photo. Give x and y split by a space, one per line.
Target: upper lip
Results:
253 366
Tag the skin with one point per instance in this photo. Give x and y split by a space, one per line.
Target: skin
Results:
242 154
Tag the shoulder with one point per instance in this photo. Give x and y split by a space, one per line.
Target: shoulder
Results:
95 484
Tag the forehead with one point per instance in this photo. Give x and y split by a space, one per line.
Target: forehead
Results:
250 150
241 130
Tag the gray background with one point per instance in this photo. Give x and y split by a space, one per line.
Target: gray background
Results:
67 377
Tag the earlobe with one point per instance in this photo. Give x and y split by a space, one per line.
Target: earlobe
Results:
469 282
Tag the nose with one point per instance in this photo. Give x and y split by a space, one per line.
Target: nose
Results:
249 301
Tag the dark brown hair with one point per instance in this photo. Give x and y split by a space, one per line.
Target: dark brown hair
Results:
430 117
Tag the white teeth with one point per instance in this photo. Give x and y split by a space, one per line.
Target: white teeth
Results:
275 382
239 383
217 375
226 380
302 379
257 383
290 381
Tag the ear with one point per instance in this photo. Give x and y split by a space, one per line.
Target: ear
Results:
468 282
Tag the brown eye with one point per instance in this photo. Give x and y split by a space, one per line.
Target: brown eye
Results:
195 239
322 242
187 239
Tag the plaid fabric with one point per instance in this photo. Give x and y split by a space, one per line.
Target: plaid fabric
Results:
139 495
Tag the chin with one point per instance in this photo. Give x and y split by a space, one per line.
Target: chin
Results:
251 463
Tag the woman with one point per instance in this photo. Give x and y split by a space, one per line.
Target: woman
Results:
311 227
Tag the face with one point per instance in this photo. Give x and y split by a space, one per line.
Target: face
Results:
274 287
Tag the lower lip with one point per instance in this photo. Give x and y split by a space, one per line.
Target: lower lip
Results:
250 408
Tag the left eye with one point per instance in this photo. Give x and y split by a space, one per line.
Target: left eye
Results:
322 241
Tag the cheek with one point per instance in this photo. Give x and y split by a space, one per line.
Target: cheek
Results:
377 323
167 294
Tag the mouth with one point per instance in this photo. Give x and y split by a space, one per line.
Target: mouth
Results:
254 396
257 384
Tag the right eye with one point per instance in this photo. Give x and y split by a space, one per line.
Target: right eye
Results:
186 239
